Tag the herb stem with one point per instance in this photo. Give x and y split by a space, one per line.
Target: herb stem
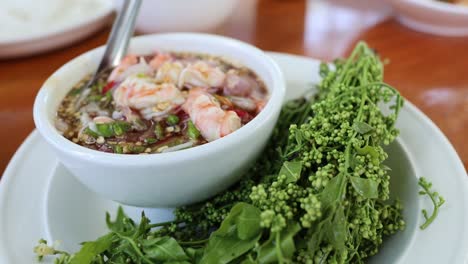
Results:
279 253
197 242
163 224
135 247
437 201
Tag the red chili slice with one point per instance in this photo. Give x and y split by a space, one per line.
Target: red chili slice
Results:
108 86
240 113
244 116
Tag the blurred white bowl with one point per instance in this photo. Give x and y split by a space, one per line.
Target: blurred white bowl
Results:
182 15
433 17
29 27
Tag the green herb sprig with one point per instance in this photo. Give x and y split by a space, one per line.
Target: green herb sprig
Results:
436 199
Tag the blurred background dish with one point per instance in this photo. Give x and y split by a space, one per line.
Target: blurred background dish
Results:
432 16
181 15
30 27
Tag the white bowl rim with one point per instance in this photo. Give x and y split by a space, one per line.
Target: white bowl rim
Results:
50 133
438 6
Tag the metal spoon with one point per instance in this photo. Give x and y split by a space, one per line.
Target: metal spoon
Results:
117 44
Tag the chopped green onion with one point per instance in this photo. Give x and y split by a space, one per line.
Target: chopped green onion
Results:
120 127
139 125
172 120
90 132
150 140
192 131
105 130
118 149
137 149
158 131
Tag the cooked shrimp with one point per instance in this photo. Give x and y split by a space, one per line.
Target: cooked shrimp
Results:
150 98
126 62
159 60
129 67
208 116
169 72
201 74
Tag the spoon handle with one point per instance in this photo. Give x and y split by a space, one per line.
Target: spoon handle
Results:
122 31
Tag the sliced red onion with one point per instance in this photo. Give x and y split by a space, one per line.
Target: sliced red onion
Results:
102 120
117 115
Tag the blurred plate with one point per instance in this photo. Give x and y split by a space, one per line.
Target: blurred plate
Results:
40 199
432 16
29 27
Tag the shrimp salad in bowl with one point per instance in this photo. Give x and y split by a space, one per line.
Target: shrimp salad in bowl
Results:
163 102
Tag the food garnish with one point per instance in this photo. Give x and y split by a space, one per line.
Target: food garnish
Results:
319 193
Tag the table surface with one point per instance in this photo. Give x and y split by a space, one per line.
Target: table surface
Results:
429 71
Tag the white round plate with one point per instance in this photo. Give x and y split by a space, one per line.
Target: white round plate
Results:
40 199
432 16
44 38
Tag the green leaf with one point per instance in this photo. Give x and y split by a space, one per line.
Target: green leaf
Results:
316 237
292 170
248 222
249 261
385 167
368 150
195 254
244 218
367 188
90 250
362 127
122 223
238 233
267 252
336 231
228 225
143 227
224 249
163 249
332 191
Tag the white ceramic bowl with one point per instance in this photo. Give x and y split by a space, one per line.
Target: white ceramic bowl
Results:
181 15
433 17
166 179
